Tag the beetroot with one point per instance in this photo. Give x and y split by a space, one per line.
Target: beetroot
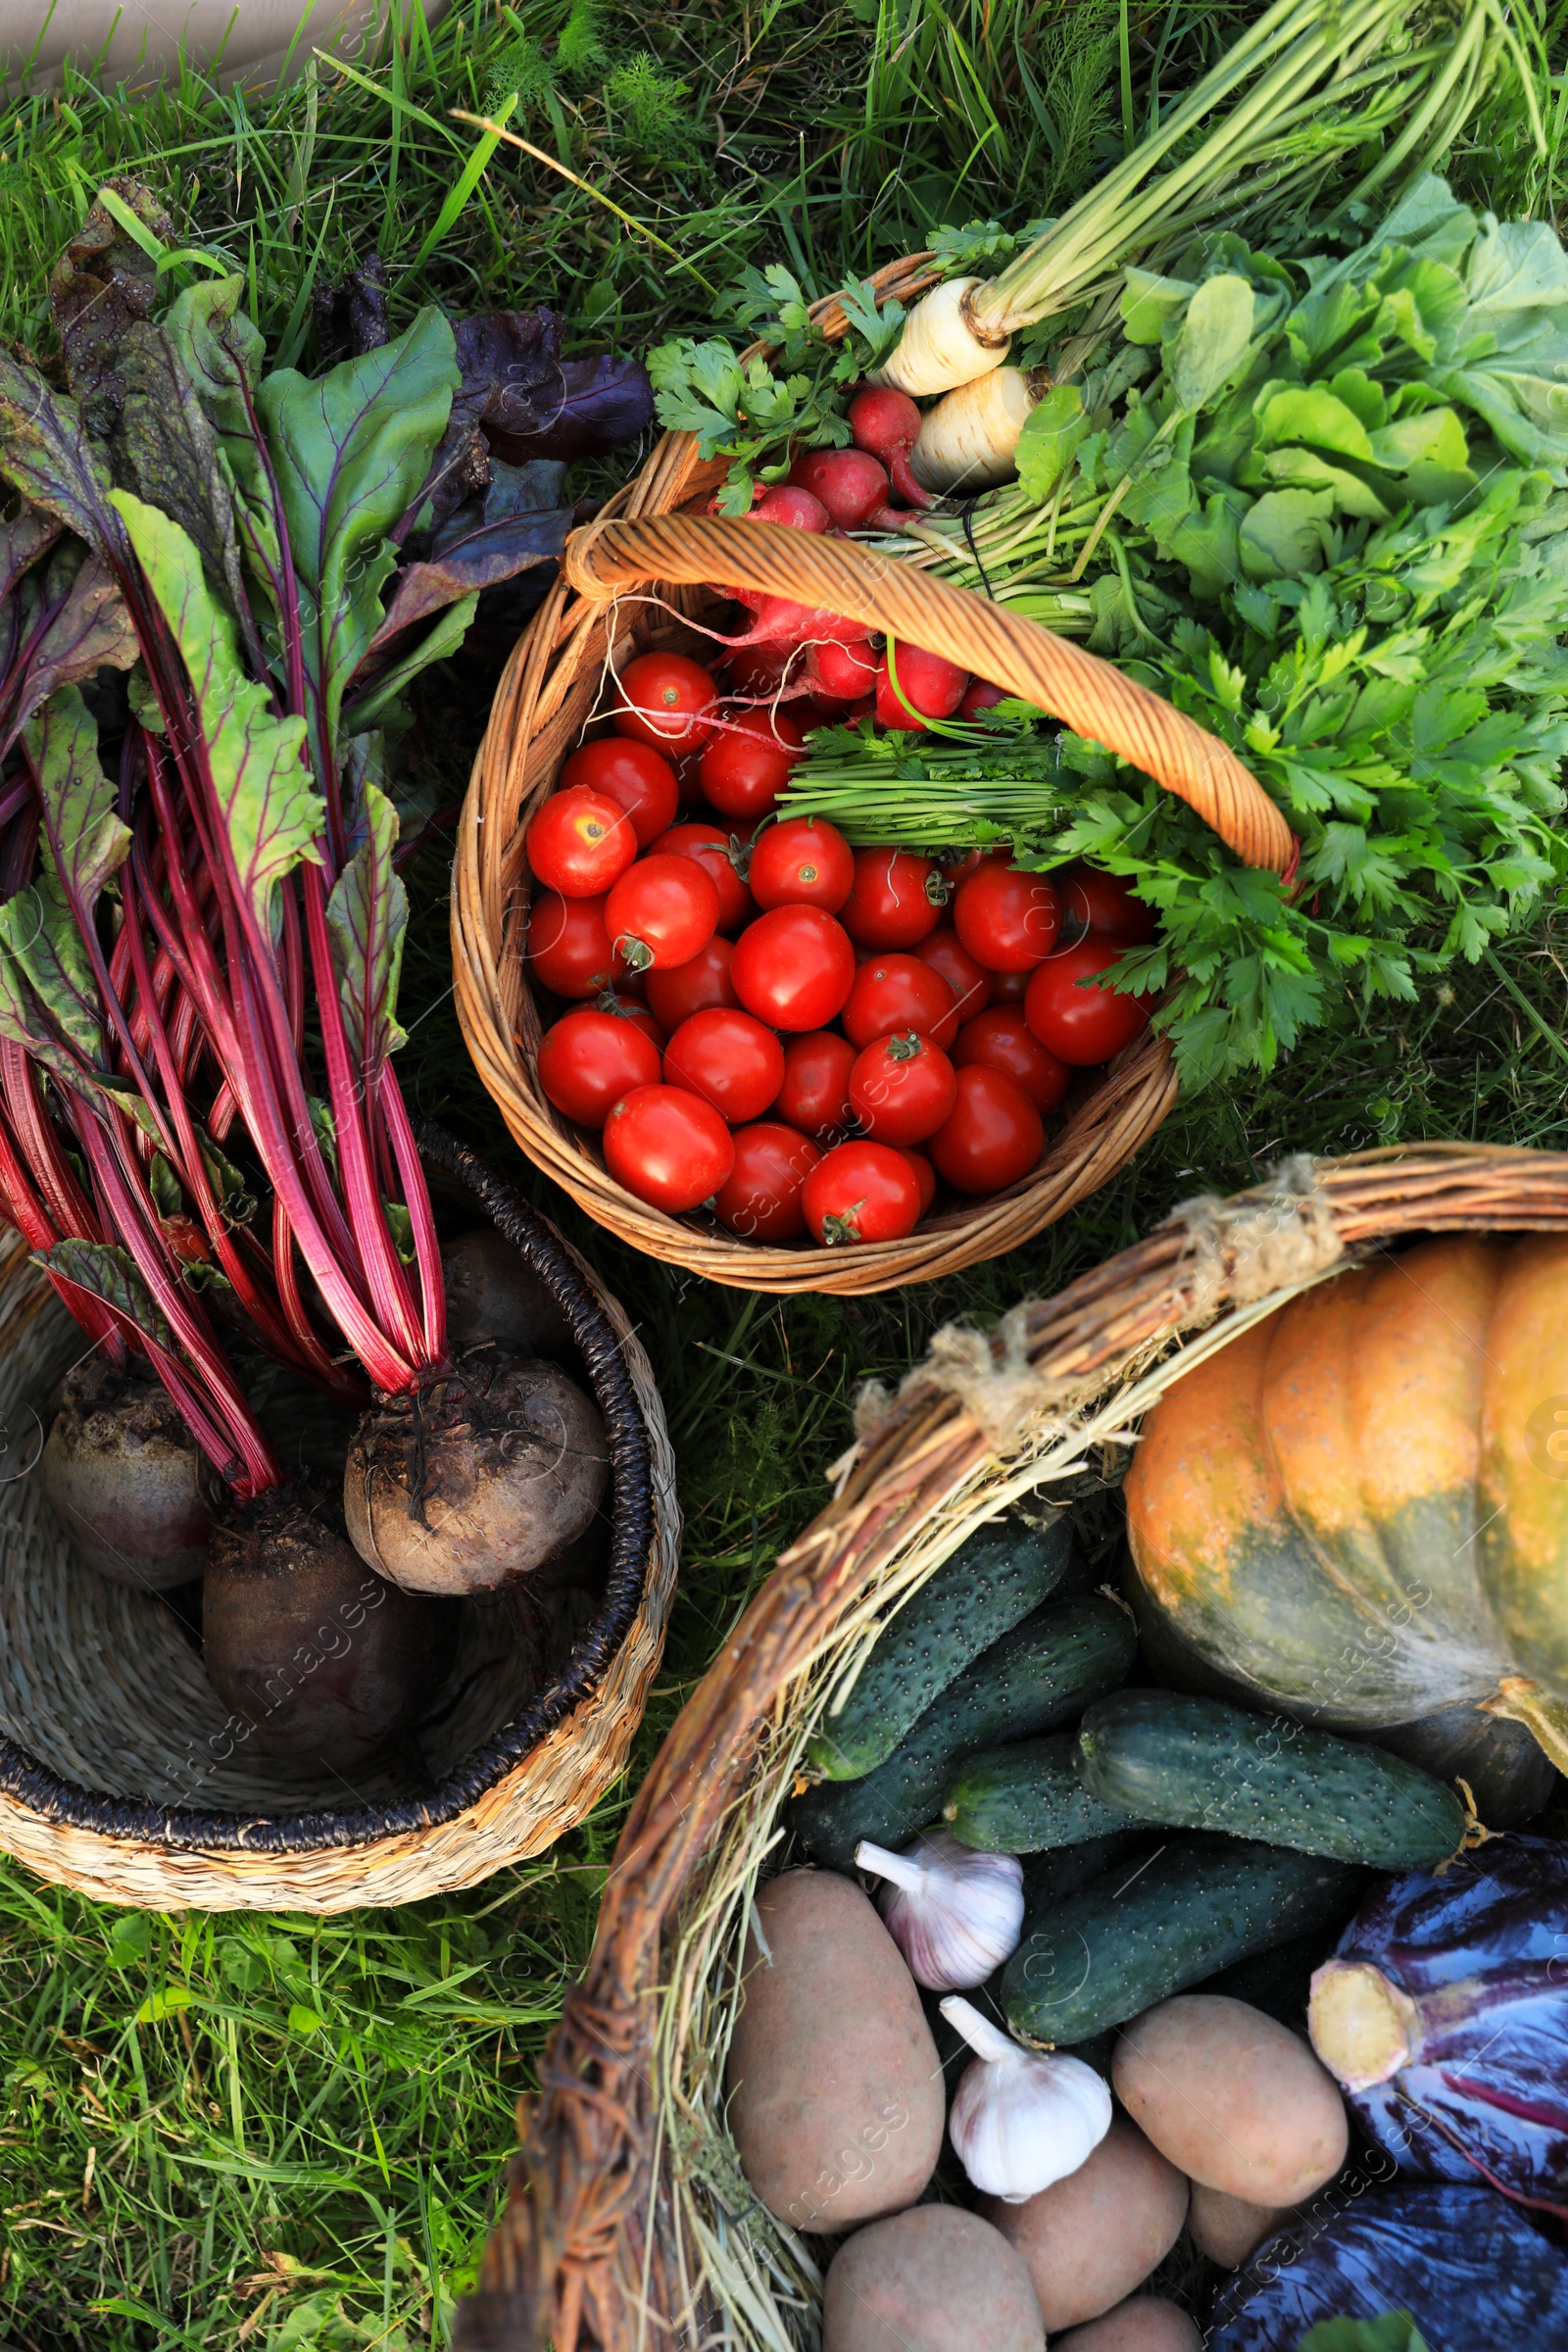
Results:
887 423
849 482
478 1478
494 1294
324 1661
124 1478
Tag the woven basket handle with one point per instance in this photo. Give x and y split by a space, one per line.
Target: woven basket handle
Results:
604 559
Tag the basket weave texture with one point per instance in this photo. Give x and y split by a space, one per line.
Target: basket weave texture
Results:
627 2221
596 617
119 1770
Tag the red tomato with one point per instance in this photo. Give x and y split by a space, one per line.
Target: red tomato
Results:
665 699
622 1006
588 1059
793 967
981 695
668 1147
729 1059
925 1176
971 984
845 672
746 764
1083 1024
992 1137
1003 1039
863 1192
899 992
716 852
660 912
760 1198
1095 902
903 1088
896 900
1007 921
636 777
758 669
1012 987
568 946
580 843
929 686
805 861
815 1094
675 995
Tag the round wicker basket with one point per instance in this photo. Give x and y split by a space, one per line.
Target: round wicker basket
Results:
593 620
627 2221
121 1772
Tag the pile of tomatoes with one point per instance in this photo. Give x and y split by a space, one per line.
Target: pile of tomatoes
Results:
806 1037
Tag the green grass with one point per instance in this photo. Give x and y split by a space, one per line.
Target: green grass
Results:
275 2131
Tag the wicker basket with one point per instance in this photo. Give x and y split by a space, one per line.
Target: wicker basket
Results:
120 1772
551 689
628 2222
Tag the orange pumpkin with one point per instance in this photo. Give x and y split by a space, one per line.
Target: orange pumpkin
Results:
1358 1508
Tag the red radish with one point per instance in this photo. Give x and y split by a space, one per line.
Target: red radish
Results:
849 484
886 422
928 686
760 670
673 996
844 670
793 504
779 620
866 708
719 854
662 911
981 695
636 777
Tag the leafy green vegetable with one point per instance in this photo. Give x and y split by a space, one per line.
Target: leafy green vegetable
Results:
1394 2332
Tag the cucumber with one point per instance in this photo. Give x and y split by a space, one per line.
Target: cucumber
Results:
1149 1929
1042 1674
990 1582
1020 1800
1202 1765
1058 1871
1279 1983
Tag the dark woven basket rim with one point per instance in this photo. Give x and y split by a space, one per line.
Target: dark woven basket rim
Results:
55 1799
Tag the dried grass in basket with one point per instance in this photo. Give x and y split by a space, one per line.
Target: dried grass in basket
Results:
121 1772
595 619
627 2223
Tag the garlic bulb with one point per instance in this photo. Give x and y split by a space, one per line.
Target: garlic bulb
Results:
955 1914
1019 2122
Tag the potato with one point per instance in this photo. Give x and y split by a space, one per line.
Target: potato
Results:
835 2093
1142 2323
1232 2098
1228 2229
1090 2239
937 2280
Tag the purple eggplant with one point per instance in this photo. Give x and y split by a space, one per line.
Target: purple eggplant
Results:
1475 2273
1444 2016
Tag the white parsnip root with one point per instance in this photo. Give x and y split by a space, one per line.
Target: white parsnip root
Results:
938 347
968 442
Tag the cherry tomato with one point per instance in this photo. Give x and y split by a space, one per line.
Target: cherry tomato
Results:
863 1192
793 967
903 1088
621 1006
899 992
1095 902
665 699
925 1175
632 774
588 1059
1012 987
673 996
716 852
660 912
815 1094
1003 1039
580 843
760 1198
981 695
971 984
729 1059
929 686
568 946
668 1147
746 764
1007 921
805 861
1080 1023
993 1136
896 900
845 672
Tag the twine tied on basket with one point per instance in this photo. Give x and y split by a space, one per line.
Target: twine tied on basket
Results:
1237 1252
